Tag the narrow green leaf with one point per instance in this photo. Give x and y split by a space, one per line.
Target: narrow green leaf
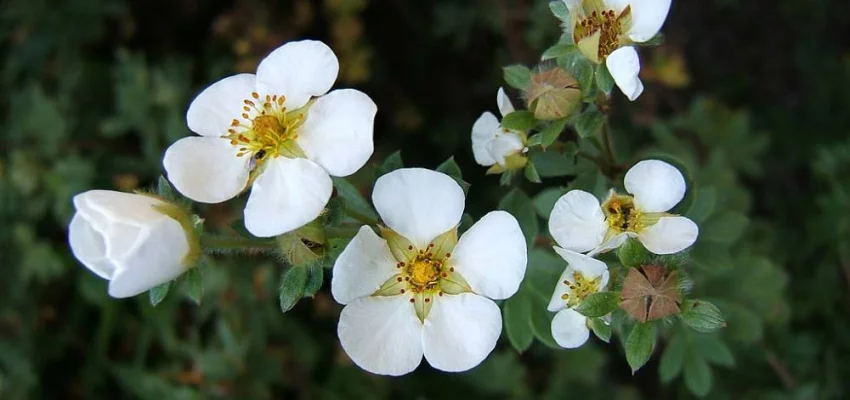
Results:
559 50
535 140
164 189
531 173
604 80
551 132
194 284
517 76
520 121
589 123
632 253
599 304
639 345
698 377
671 360
601 329
354 200
519 205
292 285
560 10
158 293
701 316
517 322
315 279
506 177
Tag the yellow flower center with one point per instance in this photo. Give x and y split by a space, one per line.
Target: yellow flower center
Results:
267 128
621 214
580 288
601 31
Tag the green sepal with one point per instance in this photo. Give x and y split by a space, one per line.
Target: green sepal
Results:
444 244
454 283
393 286
157 293
401 248
315 279
292 284
422 303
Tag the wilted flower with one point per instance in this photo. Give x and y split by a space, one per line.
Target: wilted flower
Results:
583 276
419 290
492 145
653 294
134 241
279 130
579 223
605 30
554 94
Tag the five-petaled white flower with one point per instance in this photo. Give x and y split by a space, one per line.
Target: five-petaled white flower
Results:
495 146
583 276
418 290
279 130
132 240
605 30
579 223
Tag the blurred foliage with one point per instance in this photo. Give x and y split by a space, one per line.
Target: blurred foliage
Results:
748 97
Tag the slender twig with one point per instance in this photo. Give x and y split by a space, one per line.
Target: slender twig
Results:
216 242
779 368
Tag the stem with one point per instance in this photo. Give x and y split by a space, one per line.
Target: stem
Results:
606 136
215 242
365 219
332 232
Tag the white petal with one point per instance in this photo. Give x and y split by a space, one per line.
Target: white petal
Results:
669 235
656 185
624 66
556 303
577 222
206 169
589 267
382 334
647 18
157 259
298 70
484 131
338 131
119 217
492 255
504 145
418 203
288 194
569 329
611 244
361 269
212 112
460 331
89 247
504 103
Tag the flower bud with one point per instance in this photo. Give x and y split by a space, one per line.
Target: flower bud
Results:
554 94
134 241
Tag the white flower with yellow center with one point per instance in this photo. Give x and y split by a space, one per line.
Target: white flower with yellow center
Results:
417 290
579 223
605 30
135 241
495 146
279 130
583 276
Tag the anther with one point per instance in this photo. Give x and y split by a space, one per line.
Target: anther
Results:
448 255
255 95
246 108
410 247
452 269
412 301
427 299
402 291
399 279
244 115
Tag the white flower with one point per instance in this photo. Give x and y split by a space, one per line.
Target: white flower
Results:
579 223
494 145
604 31
583 276
266 129
132 240
415 292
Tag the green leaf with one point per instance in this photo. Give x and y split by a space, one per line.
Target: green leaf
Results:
701 316
601 329
604 80
632 253
505 179
545 201
335 214
531 173
465 223
520 121
589 123
671 360
714 350
705 200
550 133
517 323
725 227
697 375
552 163
517 76
355 201
559 50
157 293
599 304
315 279
450 168
582 69
541 324
639 345
392 163
519 205
292 285
560 10
194 284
